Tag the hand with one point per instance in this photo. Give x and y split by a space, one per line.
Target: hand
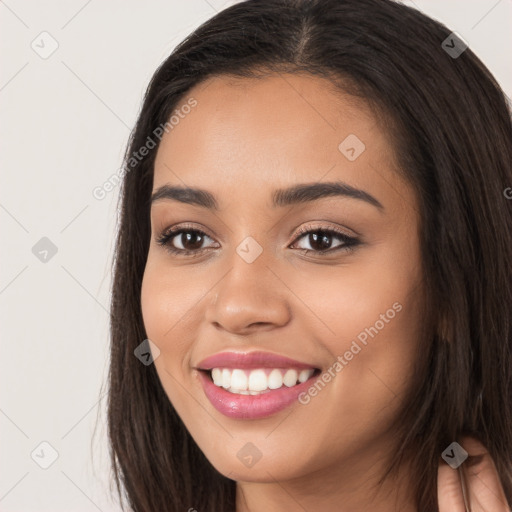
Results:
485 492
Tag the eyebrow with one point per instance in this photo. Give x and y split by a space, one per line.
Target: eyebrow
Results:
297 194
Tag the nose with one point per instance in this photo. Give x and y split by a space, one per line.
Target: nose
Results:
250 297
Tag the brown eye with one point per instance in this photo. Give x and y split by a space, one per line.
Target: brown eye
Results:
189 240
321 240
183 241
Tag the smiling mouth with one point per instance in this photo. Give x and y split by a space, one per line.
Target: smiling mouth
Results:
258 381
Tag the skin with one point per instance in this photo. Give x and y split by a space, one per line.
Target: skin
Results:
244 139
484 488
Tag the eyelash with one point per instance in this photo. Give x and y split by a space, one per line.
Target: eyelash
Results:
349 243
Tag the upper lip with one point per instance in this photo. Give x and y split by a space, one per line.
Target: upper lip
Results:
256 359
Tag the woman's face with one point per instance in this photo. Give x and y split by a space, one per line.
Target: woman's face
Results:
350 313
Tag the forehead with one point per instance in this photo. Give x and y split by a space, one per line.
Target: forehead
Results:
261 133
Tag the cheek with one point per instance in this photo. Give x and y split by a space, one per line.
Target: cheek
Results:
365 300
164 308
369 318
165 305
376 357
168 301
155 302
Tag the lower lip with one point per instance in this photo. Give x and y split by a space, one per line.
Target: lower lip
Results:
251 407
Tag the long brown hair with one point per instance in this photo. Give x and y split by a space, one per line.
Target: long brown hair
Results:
452 135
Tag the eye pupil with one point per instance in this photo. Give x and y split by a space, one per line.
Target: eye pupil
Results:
193 237
322 240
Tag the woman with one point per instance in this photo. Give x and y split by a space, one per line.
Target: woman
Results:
314 251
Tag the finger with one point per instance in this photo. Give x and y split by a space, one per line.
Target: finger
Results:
449 490
485 489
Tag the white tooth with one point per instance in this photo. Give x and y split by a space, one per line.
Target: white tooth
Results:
238 380
290 378
238 391
257 380
217 376
226 378
275 379
305 374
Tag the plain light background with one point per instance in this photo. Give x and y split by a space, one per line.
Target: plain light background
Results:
65 121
